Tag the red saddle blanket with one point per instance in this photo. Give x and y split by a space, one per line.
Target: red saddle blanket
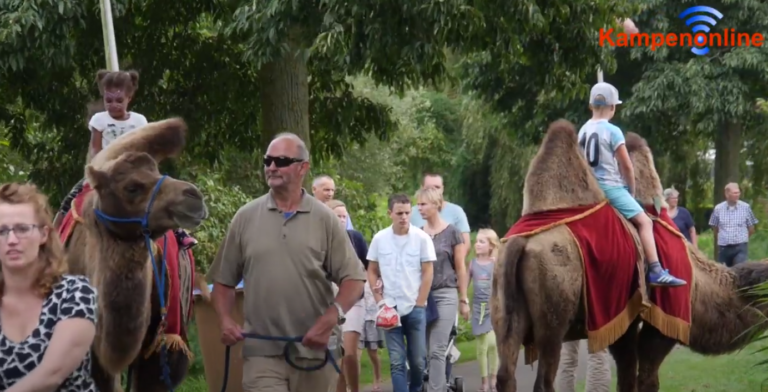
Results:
610 259
174 317
670 310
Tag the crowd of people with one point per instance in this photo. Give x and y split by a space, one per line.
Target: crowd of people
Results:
307 272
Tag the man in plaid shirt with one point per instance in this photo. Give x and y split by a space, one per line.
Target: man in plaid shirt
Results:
733 223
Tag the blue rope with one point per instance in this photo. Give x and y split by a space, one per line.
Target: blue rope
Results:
159 275
286 354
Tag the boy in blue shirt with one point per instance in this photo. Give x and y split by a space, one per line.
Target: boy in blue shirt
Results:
606 153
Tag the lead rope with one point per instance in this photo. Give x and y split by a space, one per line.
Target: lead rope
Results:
286 355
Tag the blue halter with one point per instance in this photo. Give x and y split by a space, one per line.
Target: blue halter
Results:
159 275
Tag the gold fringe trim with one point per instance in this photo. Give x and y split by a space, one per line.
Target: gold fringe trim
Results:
77 217
173 342
607 335
558 223
670 326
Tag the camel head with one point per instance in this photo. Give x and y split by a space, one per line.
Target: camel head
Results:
559 176
125 176
647 181
748 276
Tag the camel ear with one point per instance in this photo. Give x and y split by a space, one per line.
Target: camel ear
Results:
97 178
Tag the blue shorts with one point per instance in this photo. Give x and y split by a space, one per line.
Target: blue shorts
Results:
622 201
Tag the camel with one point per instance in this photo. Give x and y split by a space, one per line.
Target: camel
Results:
538 281
115 257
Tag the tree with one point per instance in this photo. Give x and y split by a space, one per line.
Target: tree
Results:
189 67
712 96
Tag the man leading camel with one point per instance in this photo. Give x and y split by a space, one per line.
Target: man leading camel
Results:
287 247
606 153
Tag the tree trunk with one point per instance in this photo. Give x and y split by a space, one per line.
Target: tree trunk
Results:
284 97
727 149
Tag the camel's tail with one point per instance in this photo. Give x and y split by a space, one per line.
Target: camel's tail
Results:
511 292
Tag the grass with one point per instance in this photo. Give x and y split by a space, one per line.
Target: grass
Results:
683 371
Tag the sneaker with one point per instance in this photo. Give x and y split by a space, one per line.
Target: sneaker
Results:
664 279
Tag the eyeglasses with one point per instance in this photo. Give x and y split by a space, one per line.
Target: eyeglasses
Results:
281 161
21 230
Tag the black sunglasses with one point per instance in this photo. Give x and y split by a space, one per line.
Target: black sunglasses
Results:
280 161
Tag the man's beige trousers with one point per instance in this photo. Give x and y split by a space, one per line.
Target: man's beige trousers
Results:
598 369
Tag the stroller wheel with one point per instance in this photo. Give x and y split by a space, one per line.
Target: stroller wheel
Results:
458 384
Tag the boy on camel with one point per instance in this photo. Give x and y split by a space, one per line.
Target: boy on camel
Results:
117 90
604 148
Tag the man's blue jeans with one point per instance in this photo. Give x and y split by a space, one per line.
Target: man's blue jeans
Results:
413 330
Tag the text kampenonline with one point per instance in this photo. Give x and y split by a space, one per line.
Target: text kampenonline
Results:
729 37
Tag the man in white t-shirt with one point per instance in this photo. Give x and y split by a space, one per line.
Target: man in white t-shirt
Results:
403 256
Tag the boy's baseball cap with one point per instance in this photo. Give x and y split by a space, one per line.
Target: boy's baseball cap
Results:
610 95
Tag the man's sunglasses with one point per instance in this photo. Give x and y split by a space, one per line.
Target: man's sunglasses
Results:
281 161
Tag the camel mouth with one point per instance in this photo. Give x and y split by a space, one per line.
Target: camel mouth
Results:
187 220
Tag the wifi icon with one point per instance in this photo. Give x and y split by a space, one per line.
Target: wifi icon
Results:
703 27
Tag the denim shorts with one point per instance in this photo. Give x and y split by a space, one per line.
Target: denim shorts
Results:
622 201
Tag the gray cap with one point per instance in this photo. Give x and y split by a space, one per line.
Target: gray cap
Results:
610 95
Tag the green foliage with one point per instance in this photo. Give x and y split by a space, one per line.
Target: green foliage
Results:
223 201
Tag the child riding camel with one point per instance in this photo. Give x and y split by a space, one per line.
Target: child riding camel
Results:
117 89
604 148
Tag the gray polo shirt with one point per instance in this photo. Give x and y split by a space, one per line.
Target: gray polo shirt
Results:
287 265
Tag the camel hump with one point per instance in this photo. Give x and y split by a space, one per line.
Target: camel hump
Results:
635 142
559 176
160 139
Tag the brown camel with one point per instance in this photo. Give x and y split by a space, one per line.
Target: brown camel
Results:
538 300
115 257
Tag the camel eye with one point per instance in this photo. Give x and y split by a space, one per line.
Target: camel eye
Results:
134 188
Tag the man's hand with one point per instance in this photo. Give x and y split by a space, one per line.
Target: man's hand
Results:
231 333
318 336
464 310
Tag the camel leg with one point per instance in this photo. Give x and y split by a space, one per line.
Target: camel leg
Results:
147 373
624 352
104 381
549 358
509 349
653 347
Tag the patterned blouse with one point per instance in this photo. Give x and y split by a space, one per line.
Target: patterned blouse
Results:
72 297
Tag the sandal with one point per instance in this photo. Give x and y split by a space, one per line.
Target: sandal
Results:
376 388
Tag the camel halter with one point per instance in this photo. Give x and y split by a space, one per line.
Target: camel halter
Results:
159 275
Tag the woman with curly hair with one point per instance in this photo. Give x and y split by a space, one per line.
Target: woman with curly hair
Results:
47 318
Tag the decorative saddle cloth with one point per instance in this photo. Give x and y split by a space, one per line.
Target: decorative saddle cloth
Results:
175 330
612 271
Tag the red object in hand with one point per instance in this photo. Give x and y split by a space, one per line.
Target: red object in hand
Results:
387 318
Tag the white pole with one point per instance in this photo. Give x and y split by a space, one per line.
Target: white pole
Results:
111 49
599 73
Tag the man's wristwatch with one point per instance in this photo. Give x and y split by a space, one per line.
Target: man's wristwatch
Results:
342 316
465 301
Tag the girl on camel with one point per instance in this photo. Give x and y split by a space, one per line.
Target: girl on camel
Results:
117 90
606 153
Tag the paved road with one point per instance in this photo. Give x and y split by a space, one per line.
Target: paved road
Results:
526 375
